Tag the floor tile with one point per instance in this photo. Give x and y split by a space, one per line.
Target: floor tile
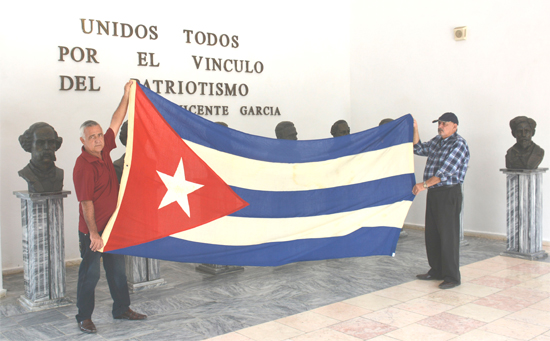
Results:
362 328
541 338
515 274
424 307
382 338
529 295
537 284
481 335
533 267
451 323
516 329
270 331
510 261
475 289
307 321
496 282
417 332
372 302
479 312
422 286
533 316
503 302
487 265
341 311
395 317
468 274
542 305
450 297
234 336
325 334
400 293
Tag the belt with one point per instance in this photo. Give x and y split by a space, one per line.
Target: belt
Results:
444 187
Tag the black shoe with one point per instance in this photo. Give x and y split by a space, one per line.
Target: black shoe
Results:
448 285
426 277
87 326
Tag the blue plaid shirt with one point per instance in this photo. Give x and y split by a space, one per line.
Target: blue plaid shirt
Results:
447 159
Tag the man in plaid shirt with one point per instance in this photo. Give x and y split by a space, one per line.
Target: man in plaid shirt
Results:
448 157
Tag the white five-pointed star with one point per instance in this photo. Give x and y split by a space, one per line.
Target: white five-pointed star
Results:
178 189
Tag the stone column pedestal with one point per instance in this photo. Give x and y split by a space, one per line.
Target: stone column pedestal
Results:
214 269
143 273
524 213
43 250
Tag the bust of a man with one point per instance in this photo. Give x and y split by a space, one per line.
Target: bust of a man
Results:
525 154
119 164
339 128
41 174
286 131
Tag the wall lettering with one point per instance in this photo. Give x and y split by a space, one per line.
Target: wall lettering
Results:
79 83
166 86
77 54
210 39
114 29
142 59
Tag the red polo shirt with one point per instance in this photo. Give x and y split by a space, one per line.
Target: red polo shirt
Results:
95 179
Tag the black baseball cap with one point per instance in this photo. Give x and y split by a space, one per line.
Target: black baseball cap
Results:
447 117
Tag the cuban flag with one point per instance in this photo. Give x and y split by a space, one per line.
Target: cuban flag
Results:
195 191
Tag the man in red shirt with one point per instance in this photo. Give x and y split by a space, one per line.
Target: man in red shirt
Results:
96 188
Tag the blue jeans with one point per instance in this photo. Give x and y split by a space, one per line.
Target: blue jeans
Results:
88 276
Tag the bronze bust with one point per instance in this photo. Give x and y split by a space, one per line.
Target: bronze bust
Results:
525 154
339 128
119 164
41 174
286 131
384 121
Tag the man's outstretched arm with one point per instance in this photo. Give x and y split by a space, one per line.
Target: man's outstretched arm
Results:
120 112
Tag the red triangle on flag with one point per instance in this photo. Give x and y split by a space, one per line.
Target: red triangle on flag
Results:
158 148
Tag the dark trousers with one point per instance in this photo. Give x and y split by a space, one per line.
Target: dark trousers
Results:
88 275
442 232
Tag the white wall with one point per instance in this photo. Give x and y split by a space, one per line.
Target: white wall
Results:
404 60
304 50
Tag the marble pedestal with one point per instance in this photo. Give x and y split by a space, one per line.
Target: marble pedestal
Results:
43 250
524 213
214 269
143 273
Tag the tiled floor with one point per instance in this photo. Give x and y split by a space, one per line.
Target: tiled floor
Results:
500 298
375 298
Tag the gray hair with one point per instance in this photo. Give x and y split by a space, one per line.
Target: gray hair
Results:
85 125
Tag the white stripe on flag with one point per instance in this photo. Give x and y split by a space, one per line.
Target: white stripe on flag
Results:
239 231
271 176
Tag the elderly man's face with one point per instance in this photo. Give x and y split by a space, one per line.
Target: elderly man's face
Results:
289 133
446 129
93 140
43 146
523 134
341 130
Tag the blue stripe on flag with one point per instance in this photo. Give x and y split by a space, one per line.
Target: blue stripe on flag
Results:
367 241
265 204
199 130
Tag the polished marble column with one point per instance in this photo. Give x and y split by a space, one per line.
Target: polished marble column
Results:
524 213
215 269
143 273
43 250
